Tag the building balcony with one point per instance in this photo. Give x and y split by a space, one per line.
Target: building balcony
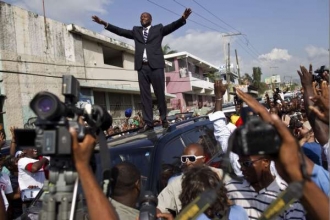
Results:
201 84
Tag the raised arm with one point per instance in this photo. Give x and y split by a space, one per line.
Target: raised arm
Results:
114 29
321 129
176 24
98 205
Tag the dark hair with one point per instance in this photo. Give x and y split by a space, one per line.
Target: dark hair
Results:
201 178
124 176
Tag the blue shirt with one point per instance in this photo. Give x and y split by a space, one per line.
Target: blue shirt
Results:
313 151
320 177
236 212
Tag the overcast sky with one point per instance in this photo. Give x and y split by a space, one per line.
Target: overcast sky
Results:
278 33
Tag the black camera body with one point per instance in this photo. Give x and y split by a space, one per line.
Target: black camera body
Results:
54 119
148 205
245 140
318 76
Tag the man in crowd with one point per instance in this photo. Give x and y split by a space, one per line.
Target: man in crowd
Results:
168 200
149 60
126 188
31 173
289 164
5 187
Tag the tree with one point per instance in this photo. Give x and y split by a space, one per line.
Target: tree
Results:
167 50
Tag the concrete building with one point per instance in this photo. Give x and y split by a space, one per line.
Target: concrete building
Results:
36 52
186 77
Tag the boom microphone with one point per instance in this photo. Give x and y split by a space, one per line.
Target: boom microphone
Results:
284 199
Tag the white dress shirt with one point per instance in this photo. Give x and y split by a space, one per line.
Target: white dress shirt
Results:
145 51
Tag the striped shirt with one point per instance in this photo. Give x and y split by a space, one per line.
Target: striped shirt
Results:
254 203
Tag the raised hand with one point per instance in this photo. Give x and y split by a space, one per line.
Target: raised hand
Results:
98 20
306 76
219 89
321 103
186 13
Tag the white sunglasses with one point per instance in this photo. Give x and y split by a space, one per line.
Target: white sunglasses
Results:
191 158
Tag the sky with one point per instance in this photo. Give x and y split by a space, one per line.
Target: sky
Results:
277 35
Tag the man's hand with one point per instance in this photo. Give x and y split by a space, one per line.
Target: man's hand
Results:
82 151
321 103
306 76
98 20
219 89
186 13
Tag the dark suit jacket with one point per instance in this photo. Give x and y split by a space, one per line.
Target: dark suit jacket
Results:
154 43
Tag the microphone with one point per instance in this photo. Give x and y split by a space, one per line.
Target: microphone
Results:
284 199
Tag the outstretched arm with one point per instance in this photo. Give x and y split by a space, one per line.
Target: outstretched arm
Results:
114 29
176 24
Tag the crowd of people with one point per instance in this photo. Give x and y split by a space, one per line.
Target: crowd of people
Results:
296 152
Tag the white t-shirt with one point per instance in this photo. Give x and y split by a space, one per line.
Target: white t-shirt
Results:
5 187
26 178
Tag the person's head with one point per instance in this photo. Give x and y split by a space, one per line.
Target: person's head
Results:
116 130
31 152
193 155
273 110
125 181
200 105
238 108
305 131
145 19
255 167
199 179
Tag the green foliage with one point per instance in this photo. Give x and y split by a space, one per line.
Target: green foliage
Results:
167 50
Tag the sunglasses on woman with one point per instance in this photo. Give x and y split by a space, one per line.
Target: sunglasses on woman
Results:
191 158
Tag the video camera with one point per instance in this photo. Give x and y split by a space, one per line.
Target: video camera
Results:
245 140
319 74
51 136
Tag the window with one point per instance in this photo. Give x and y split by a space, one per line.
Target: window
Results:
189 99
112 57
169 65
99 98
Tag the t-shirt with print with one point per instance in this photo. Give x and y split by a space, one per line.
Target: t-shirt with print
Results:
5 187
27 178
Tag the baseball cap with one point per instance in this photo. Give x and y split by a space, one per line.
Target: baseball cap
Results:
18 153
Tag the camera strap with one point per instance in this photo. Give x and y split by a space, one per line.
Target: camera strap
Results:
105 164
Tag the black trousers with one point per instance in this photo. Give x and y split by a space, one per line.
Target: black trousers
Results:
155 77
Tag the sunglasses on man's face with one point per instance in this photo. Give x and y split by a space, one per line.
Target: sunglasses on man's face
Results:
191 158
248 163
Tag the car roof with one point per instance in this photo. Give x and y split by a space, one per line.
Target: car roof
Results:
149 138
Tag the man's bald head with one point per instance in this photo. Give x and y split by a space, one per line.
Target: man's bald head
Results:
194 149
145 19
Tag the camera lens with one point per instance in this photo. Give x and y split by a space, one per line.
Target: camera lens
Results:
45 104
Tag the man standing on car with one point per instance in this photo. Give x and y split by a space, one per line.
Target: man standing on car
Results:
149 60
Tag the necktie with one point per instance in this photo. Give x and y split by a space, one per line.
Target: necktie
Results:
145 34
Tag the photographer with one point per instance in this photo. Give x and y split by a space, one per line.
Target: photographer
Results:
98 205
288 164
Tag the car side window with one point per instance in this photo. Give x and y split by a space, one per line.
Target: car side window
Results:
170 158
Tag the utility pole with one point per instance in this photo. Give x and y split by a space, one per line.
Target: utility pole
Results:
273 67
238 70
228 61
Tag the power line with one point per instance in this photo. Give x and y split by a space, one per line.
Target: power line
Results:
195 13
200 5
180 15
198 23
